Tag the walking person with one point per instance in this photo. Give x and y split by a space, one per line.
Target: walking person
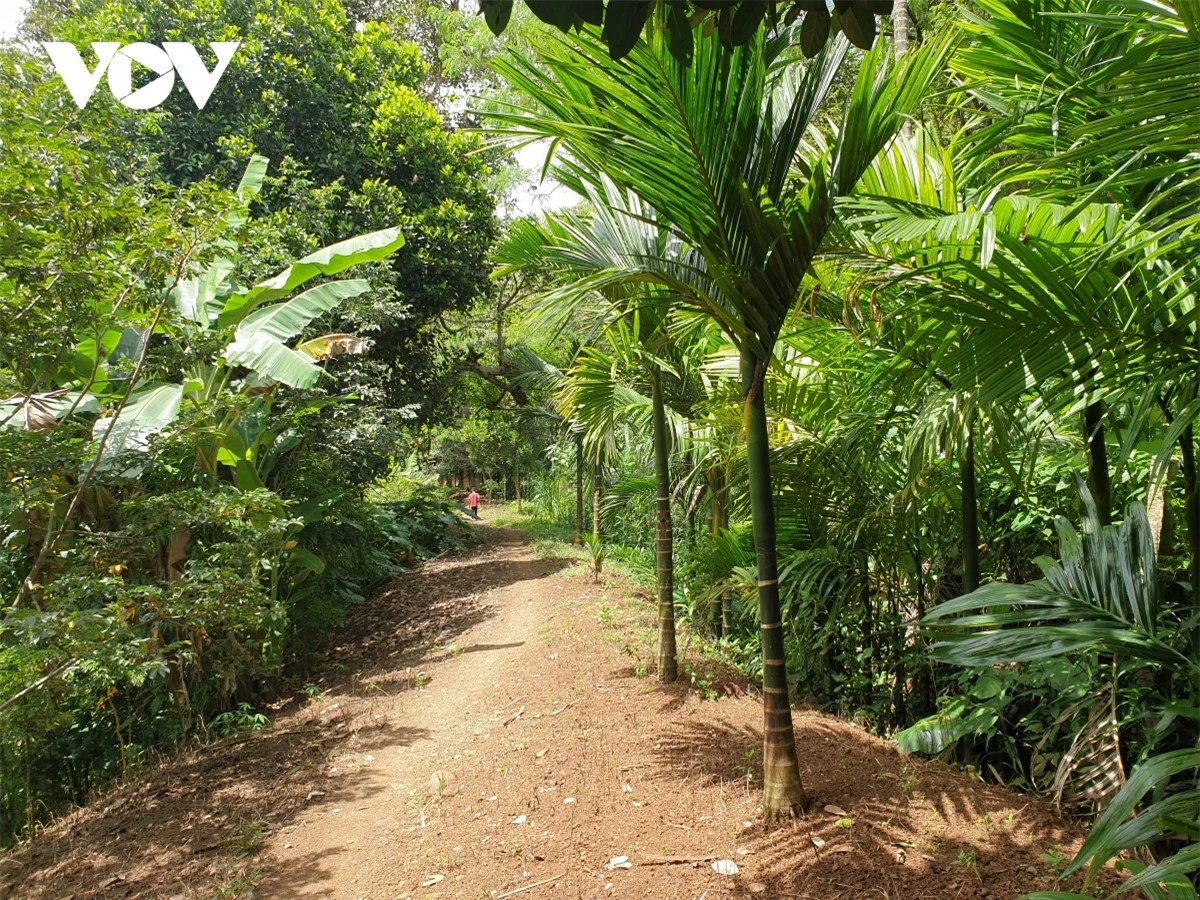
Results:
473 503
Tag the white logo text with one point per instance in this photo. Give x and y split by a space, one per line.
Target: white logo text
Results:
173 57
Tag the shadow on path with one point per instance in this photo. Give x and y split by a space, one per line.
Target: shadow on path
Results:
181 829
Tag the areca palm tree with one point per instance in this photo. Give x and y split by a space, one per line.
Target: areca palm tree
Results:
1110 116
717 148
580 253
594 392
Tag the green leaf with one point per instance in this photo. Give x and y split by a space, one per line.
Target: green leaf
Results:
725 27
590 12
1172 871
245 476
858 24
329 260
307 561
1101 845
145 413
679 33
988 686
496 14
559 13
195 298
814 33
263 354
623 23
935 733
315 508
252 179
248 188
746 20
285 320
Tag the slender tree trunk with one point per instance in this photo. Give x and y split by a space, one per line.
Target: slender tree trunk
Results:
727 594
716 486
899 670
1098 480
970 514
597 498
900 30
579 489
1191 506
517 481
924 686
783 792
668 664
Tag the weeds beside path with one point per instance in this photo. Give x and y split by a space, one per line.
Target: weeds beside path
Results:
491 722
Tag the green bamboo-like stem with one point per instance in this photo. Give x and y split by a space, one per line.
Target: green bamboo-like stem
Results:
1191 506
668 664
1098 478
783 792
597 499
716 486
579 488
970 514
727 594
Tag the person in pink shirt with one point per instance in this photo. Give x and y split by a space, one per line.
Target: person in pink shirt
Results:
473 503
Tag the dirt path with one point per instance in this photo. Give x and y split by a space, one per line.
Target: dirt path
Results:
487 728
350 842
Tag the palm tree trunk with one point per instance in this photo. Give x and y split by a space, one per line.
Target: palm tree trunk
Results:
970 514
783 793
668 664
900 31
1191 506
579 488
727 594
597 498
716 486
1098 480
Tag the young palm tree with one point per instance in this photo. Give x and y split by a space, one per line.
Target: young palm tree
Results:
717 149
594 393
1110 115
579 252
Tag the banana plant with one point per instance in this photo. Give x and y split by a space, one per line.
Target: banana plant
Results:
256 323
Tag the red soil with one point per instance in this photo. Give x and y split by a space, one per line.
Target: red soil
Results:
488 729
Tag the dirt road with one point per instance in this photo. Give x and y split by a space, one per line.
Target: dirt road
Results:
490 726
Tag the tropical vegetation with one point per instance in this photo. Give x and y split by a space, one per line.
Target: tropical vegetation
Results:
868 337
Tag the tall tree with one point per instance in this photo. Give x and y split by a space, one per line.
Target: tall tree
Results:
580 253
718 149
342 113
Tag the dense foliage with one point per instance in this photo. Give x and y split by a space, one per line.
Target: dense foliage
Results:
195 397
881 361
985 332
